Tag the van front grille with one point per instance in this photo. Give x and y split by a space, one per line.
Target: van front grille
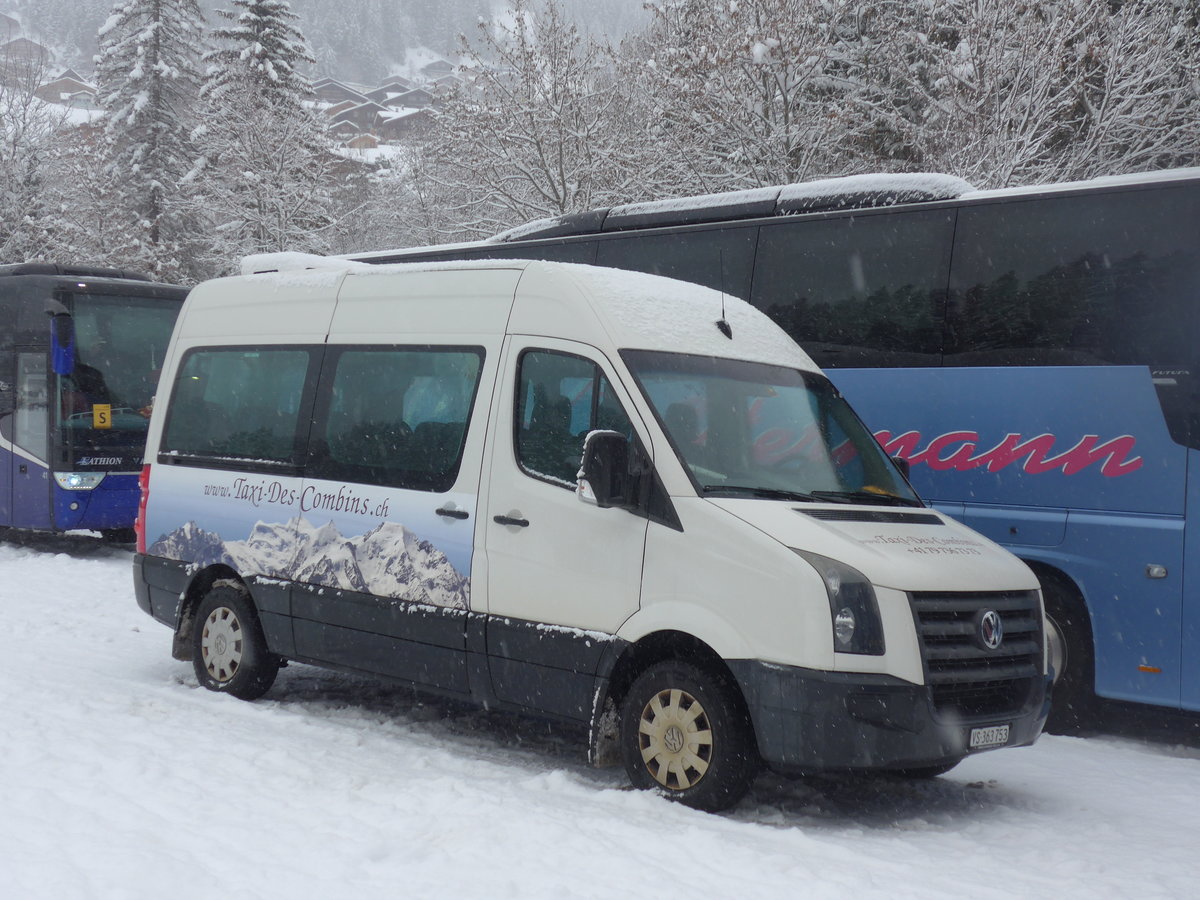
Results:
966 678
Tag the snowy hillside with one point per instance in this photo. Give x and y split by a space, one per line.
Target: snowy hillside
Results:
122 779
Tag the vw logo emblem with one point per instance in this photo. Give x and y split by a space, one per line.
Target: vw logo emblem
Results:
989 629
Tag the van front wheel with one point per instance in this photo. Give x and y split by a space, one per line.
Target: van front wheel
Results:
229 652
684 733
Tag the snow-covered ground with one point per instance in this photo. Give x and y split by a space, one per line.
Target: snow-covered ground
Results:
120 778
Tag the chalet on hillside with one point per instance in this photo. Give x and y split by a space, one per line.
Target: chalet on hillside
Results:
22 60
361 116
22 49
399 82
363 142
418 98
68 89
396 125
437 69
386 95
330 90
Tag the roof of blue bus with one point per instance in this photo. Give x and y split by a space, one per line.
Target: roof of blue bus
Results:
753 204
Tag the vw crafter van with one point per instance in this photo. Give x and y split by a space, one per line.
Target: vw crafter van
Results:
591 495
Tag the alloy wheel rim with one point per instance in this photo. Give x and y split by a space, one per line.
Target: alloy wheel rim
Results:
676 739
221 644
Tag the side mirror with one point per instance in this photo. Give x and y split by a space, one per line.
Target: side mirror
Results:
62 344
609 473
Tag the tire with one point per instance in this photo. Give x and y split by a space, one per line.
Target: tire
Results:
229 652
685 734
1073 704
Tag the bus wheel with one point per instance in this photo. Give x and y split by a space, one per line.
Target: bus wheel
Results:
684 733
1069 640
229 652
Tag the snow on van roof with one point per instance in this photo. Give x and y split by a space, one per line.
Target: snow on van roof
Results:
259 263
650 312
639 311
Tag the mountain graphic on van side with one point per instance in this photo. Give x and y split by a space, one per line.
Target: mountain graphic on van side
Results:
388 561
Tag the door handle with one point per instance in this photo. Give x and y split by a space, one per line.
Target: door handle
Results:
511 520
453 513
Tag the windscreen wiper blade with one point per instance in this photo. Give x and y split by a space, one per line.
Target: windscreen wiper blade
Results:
763 492
865 497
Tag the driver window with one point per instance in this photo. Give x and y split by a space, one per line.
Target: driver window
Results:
560 398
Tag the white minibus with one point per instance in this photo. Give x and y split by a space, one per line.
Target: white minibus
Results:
596 496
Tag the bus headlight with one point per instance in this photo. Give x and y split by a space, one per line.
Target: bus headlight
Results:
857 627
78 481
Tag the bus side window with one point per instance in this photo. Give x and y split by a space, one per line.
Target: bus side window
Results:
30 431
1091 280
719 258
858 290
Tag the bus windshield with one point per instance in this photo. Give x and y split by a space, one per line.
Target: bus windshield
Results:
119 346
751 429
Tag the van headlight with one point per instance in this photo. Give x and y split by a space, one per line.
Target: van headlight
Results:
857 627
78 481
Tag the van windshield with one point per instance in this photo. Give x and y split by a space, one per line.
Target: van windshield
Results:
751 429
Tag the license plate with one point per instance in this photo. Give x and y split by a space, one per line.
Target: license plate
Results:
992 736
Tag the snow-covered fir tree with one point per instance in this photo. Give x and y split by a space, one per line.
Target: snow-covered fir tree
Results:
266 174
262 51
147 76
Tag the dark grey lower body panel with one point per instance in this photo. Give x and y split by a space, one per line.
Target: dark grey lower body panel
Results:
808 721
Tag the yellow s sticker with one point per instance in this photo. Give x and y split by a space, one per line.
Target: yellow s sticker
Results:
102 415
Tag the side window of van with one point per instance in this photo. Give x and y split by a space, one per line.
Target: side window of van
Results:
560 398
238 404
395 416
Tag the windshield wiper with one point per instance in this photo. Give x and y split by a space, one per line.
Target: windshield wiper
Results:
764 492
865 497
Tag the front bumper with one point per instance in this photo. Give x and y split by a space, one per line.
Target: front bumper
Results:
810 721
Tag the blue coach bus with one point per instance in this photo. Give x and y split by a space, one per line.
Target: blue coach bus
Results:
80 349
1032 352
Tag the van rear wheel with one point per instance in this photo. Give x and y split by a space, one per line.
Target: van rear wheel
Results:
229 652
685 734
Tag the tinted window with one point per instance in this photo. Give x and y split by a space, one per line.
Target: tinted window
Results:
395 416
560 398
717 258
866 290
238 405
1089 279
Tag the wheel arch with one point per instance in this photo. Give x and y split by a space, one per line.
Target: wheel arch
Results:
1062 594
630 662
1073 698
203 582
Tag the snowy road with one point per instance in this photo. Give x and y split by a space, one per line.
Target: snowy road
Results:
121 779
